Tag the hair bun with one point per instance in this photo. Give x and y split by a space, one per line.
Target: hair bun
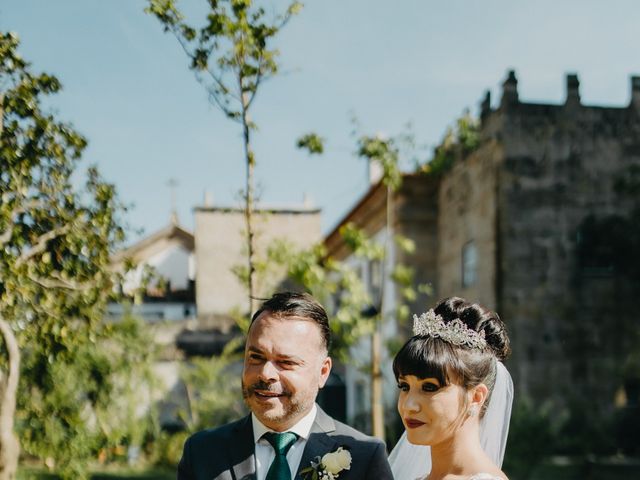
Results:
480 319
495 333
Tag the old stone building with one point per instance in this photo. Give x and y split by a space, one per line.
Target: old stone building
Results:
539 222
547 203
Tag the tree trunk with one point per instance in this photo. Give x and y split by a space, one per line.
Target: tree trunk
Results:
9 446
248 211
377 407
377 400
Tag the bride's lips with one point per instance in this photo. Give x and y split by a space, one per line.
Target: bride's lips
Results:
413 423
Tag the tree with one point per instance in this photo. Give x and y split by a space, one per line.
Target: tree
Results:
55 244
231 57
357 312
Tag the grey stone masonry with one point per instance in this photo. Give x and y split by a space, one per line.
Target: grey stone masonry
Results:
556 173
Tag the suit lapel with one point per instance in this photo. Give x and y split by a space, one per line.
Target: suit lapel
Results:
319 442
242 451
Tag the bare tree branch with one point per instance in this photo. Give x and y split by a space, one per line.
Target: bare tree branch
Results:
9 446
5 237
41 244
56 281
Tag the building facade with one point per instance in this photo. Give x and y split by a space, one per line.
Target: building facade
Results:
220 247
539 222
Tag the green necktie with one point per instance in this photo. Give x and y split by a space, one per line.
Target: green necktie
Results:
281 443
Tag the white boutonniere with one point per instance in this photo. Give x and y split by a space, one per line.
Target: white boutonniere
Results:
329 466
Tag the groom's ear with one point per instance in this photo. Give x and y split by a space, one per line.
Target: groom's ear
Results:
325 370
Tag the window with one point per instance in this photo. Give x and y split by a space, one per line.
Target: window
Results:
469 264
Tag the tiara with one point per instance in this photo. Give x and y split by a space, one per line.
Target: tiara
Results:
454 332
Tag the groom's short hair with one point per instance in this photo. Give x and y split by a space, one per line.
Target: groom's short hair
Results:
299 305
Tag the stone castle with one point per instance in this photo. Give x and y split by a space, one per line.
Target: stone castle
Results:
540 222
548 205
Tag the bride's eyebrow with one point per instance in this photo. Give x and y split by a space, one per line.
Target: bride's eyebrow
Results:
430 380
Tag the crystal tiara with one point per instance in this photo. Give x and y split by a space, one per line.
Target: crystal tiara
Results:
454 332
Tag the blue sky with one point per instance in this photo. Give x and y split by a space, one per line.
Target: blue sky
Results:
128 89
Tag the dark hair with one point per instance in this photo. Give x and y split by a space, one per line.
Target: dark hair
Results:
300 305
430 357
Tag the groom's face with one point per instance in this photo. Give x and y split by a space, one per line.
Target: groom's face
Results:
285 364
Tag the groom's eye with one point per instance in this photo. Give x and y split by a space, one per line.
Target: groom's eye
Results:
255 358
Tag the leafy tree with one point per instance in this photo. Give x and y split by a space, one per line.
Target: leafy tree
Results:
231 57
213 389
55 244
357 313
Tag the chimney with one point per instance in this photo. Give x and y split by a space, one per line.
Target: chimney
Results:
635 92
375 172
485 105
307 202
509 90
208 198
573 90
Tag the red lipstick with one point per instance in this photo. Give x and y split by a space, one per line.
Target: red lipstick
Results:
413 423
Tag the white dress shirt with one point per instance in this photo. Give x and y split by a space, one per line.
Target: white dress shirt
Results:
265 453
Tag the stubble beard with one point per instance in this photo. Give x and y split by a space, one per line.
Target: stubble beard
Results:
292 406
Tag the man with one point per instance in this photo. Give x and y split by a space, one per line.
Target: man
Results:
286 362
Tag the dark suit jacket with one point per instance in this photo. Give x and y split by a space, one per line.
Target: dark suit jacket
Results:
227 452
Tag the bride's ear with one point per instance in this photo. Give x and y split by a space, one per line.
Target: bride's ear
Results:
479 395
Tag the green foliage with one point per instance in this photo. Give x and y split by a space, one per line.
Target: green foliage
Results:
55 245
360 244
339 286
585 430
88 401
532 434
386 153
230 53
213 389
579 432
166 449
313 143
335 284
459 140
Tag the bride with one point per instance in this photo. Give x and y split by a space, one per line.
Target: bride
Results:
455 395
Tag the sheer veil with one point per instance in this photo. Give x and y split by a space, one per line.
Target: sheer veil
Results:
409 462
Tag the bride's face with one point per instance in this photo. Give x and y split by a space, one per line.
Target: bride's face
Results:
430 412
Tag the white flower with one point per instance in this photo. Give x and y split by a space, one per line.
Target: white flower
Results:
337 461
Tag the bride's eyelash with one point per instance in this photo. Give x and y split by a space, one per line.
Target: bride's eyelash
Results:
430 387
403 386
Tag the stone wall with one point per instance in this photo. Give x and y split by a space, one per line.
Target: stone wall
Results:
416 217
568 317
468 213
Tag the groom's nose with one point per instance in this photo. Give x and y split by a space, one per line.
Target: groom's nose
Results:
268 372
